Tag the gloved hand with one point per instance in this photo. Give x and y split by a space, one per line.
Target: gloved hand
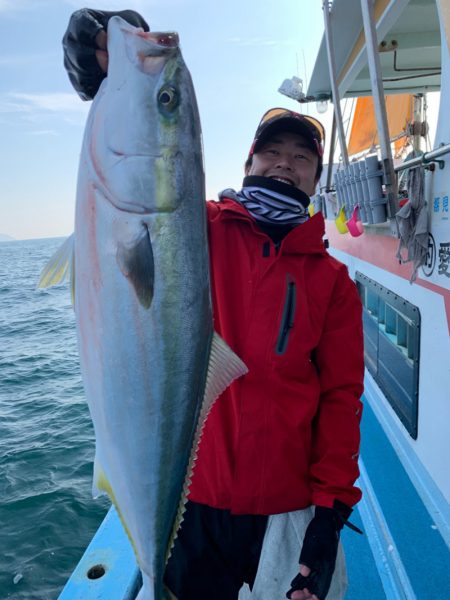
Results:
80 46
319 549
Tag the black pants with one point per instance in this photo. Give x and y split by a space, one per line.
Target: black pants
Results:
215 553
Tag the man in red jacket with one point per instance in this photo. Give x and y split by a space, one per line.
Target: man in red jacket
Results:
285 437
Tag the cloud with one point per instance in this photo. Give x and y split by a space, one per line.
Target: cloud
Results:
19 60
7 5
54 102
44 132
138 5
17 5
38 107
144 7
258 41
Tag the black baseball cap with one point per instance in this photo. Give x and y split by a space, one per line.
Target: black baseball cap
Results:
276 120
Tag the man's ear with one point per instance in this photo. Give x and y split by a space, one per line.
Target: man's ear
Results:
313 191
247 165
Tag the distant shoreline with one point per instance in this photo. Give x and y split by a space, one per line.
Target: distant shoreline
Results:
6 238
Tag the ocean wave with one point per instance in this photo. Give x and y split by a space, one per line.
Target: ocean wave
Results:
47 512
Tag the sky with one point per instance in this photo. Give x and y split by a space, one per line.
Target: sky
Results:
238 53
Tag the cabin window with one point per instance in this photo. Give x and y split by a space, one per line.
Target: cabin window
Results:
391 347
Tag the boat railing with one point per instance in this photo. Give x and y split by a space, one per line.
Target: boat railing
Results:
425 159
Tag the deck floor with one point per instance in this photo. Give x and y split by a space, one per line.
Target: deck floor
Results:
421 553
364 581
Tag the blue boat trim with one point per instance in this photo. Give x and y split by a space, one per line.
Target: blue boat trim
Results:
109 551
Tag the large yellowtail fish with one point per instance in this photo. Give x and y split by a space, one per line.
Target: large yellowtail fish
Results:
150 361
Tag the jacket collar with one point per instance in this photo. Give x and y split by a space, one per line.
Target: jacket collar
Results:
306 238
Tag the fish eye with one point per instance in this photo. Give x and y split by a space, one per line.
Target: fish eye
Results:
168 98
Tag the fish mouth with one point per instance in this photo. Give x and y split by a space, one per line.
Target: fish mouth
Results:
167 39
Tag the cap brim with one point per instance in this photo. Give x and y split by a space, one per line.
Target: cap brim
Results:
286 124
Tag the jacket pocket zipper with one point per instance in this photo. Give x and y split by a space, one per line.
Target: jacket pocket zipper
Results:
287 320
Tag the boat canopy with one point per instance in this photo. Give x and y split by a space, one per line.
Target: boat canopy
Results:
409 44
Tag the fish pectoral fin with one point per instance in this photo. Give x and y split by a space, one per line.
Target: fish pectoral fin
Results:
137 265
60 267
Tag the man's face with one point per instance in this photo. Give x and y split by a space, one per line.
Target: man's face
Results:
287 158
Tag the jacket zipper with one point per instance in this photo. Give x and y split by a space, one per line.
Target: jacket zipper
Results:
287 320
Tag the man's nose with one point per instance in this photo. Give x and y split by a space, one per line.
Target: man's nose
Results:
285 162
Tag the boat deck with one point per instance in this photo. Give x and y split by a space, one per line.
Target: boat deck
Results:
403 553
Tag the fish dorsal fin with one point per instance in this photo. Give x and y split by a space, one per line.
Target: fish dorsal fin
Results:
60 267
224 367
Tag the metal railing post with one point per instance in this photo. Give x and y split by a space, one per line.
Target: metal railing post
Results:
331 155
333 78
373 60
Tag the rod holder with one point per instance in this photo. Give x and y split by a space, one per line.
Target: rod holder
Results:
344 189
365 194
351 181
348 191
319 205
359 190
378 201
339 190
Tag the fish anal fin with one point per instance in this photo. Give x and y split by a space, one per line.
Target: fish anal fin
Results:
101 485
224 367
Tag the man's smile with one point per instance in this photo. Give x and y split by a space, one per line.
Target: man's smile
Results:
283 179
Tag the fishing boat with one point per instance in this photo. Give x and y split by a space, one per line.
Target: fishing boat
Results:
386 205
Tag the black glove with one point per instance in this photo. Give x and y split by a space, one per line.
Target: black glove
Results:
319 550
79 47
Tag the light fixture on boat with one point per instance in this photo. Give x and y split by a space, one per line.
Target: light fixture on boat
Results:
292 88
322 106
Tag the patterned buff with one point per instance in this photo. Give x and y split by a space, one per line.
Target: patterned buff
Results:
272 201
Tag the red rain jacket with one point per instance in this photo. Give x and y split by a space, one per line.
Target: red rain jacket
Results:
286 435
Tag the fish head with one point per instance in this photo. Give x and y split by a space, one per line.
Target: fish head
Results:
145 132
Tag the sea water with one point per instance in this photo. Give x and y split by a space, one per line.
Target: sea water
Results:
47 514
